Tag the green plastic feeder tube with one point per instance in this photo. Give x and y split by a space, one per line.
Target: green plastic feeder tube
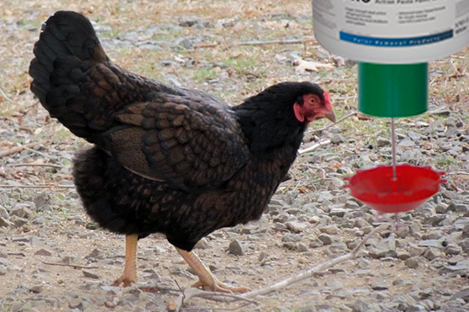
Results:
392 90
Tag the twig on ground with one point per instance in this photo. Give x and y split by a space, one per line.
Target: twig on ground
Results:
294 41
457 173
313 147
5 96
205 45
70 265
36 165
52 186
191 292
318 268
17 149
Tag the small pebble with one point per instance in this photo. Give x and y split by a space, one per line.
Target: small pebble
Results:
235 248
412 263
43 252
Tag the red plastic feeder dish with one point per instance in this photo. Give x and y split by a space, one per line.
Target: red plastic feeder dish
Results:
379 190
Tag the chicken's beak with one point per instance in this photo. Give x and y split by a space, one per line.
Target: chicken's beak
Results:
330 115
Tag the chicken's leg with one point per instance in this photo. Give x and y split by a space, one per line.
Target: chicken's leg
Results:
129 276
207 280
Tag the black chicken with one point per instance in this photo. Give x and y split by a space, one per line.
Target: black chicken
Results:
165 159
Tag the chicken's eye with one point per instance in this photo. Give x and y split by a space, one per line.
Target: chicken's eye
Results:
312 100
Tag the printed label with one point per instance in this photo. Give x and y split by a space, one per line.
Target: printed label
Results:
392 31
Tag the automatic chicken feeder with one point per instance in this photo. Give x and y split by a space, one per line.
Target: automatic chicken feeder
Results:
393 41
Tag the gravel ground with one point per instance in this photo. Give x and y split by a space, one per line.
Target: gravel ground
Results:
53 258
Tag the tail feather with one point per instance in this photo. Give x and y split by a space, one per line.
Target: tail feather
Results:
77 83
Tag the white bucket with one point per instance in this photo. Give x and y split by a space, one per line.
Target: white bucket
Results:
392 31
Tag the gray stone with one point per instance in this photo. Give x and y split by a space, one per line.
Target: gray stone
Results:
202 244
37 289
235 248
360 223
4 213
74 302
5 223
414 136
325 238
412 263
363 305
455 259
41 199
185 43
337 139
406 143
17 221
403 255
403 231
464 244
435 243
95 254
323 54
433 235
337 212
463 294
334 284
90 274
325 196
460 268
416 250
291 238
43 252
302 247
416 308
380 141
329 229
377 253
432 253
68 260
315 243
338 247
296 227
381 285
21 211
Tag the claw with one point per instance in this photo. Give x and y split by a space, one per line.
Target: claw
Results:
218 286
207 281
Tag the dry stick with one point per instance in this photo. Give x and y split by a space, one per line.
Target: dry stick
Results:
457 173
36 186
71 265
205 45
295 41
313 270
191 292
17 149
313 147
38 165
5 96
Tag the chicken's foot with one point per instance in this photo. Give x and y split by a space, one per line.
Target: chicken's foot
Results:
207 280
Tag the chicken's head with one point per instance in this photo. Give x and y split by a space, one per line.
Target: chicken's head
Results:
313 106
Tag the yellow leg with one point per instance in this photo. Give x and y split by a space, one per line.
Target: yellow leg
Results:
129 276
207 280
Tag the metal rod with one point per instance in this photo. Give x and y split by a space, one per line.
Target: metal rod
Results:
393 143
